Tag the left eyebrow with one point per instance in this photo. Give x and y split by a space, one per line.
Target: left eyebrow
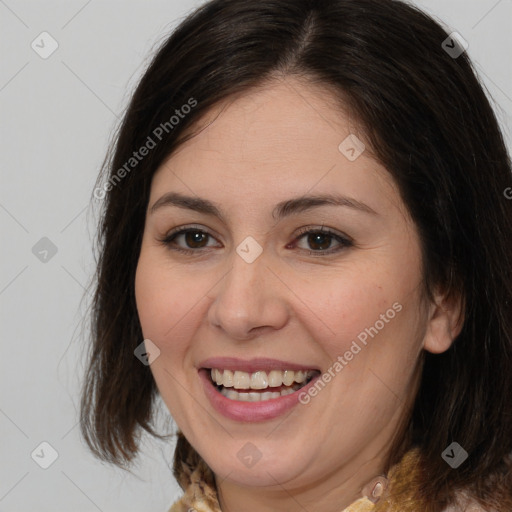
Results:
301 204
281 210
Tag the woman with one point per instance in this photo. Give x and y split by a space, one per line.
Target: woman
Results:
305 250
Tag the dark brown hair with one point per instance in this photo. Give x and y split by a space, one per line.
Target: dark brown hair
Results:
426 118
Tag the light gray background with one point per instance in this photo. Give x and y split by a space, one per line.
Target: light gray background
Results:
57 118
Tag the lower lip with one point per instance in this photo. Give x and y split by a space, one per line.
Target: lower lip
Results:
250 411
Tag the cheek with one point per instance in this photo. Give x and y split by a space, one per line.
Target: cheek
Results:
150 299
165 306
171 305
368 315
340 308
161 299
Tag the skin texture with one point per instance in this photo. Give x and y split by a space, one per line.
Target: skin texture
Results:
271 144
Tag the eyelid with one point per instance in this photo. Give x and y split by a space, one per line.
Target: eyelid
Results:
323 229
187 227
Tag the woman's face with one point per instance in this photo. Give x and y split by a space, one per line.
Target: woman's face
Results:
255 296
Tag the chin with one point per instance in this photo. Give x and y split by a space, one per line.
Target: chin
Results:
251 467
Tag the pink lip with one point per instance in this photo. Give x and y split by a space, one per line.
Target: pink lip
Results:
250 411
252 365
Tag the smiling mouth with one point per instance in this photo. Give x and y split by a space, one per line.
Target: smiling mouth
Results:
260 385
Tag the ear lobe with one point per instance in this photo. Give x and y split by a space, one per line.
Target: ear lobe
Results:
445 322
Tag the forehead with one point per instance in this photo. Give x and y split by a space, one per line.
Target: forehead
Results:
285 116
273 142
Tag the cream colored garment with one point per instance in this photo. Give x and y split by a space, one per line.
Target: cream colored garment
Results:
361 505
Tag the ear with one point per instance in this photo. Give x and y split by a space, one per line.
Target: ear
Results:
444 324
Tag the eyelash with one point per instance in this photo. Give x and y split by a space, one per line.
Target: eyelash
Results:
344 241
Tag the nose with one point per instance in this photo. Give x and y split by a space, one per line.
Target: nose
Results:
249 300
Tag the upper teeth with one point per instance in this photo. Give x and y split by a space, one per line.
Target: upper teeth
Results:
259 379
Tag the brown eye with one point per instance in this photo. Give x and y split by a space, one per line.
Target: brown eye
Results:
194 239
319 241
191 240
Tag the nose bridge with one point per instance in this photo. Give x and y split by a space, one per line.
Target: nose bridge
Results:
248 296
